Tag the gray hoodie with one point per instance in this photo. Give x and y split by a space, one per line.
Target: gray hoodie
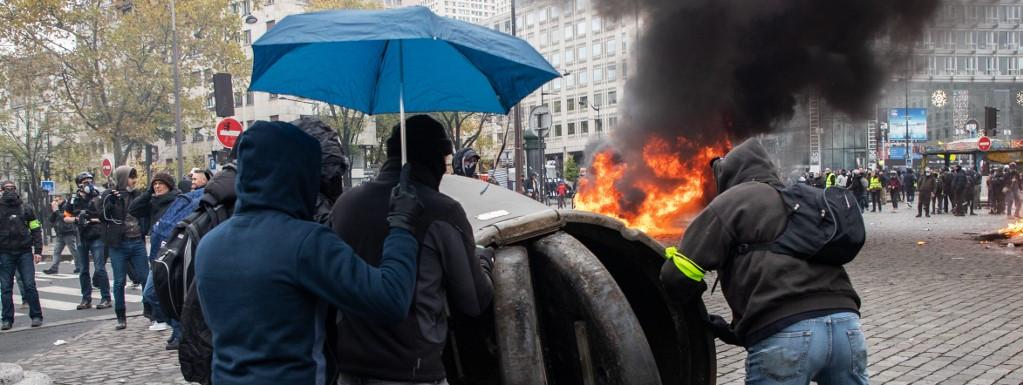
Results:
766 291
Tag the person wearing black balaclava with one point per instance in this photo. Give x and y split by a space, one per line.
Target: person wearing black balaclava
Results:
464 162
21 247
453 274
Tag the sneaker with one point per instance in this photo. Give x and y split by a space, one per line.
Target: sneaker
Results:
50 271
37 322
173 345
158 326
121 324
84 305
136 286
7 325
105 303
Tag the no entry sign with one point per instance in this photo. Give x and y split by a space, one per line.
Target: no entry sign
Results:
107 167
984 143
228 131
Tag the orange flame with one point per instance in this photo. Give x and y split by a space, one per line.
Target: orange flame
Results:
1013 230
680 172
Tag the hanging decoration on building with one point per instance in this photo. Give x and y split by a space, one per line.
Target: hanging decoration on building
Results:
960 110
939 98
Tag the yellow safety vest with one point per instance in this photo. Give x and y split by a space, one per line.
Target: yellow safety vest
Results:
875 183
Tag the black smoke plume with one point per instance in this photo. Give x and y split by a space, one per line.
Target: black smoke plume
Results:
713 69
741 65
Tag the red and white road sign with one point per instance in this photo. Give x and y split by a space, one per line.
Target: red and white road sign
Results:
228 131
984 143
107 167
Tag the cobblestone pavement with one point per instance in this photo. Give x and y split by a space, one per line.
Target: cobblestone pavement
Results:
106 356
946 312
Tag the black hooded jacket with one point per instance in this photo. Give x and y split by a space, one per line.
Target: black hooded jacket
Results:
766 291
449 275
21 231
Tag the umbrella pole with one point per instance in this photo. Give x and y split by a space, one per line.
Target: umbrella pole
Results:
401 101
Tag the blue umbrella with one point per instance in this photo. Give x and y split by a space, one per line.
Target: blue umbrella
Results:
397 60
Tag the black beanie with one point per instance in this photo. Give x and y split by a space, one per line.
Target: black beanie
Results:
165 178
427 140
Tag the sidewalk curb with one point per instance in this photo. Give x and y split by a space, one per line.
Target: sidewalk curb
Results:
72 321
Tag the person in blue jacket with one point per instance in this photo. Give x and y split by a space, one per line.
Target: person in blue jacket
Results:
266 275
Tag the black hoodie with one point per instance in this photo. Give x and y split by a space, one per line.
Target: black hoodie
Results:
266 275
766 291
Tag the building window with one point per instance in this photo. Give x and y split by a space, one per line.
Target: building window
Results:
570 105
583 77
597 47
611 47
197 135
556 58
595 25
612 98
557 106
238 99
584 127
581 52
249 98
569 56
584 102
598 99
569 32
612 72
557 84
580 29
557 130
571 129
270 24
247 37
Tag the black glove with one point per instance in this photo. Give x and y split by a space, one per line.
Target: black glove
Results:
486 256
722 330
680 288
405 205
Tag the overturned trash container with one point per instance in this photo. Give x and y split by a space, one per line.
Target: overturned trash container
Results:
577 300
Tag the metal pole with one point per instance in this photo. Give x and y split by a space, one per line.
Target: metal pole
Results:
179 137
909 154
518 125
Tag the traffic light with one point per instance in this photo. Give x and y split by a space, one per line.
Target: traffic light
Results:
991 120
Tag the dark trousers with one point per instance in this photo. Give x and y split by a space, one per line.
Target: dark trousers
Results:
22 263
895 198
909 195
85 279
924 206
875 200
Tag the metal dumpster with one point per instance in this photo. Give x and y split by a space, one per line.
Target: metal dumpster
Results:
577 301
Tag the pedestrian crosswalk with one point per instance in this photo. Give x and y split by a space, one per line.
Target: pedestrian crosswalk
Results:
61 293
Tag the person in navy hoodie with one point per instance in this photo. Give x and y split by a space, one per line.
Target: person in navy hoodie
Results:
266 275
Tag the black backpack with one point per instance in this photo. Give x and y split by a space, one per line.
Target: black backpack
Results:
824 226
173 270
14 232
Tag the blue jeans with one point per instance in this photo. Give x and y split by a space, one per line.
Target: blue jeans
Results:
21 263
69 240
85 280
149 296
830 350
127 252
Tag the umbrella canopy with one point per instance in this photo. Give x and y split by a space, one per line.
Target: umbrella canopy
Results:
375 61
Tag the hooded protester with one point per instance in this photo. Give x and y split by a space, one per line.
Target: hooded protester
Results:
782 306
927 185
21 247
464 162
451 274
909 184
961 189
123 236
333 165
271 252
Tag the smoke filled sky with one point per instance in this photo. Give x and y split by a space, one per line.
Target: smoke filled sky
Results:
740 65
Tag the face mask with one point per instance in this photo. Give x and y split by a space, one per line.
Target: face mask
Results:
10 196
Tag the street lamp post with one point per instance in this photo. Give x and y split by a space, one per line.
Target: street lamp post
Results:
518 124
179 137
542 133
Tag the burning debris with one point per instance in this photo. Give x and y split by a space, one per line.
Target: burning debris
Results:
1011 235
710 72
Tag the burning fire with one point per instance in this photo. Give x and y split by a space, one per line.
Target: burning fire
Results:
674 187
1013 230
